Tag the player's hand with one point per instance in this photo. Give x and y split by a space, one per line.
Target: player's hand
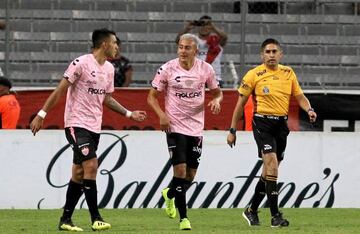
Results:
165 124
215 106
231 139
36 124
312 116
138 115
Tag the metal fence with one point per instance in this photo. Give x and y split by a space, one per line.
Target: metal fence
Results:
320 38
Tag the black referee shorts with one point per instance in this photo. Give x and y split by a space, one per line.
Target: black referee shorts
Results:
83 142
184 149
270 133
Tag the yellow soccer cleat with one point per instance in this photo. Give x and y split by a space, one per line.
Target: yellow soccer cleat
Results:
99 225
67 225
170 204
185 224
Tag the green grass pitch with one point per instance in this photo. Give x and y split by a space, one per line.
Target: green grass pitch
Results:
302 220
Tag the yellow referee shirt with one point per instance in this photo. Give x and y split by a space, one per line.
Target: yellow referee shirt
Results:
271 90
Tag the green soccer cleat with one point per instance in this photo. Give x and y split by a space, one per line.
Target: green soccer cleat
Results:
185 224
67 225
170 204
100 225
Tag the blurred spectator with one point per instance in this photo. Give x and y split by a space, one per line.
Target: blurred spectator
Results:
9 106
2 25
212 41
123 68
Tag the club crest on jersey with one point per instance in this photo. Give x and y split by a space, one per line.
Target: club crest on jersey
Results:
85 150
188 82
266 90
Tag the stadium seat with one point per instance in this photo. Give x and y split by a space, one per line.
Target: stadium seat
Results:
321 39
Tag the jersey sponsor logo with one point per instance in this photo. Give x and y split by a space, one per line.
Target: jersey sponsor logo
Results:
260 73
267 147
266 90
93 74
244 85
96 91
91 82
197 149
189 95
177 79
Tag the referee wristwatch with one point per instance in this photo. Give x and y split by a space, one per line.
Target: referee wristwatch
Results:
232 131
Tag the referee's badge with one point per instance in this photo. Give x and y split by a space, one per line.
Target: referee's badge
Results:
266 90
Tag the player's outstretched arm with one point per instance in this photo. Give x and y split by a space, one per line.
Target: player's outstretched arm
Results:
37 122
114 105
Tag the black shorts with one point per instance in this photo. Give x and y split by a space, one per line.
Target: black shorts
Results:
184 149
83 142
270 133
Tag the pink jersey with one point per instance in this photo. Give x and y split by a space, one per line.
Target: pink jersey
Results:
185 94
90 82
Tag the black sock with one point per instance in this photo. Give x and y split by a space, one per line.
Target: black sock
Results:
180 196
73 194
187 184
259 194
272 194
90 191
171 192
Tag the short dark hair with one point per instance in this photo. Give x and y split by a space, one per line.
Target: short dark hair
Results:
205 17
118 41
5 82
270 41
99 35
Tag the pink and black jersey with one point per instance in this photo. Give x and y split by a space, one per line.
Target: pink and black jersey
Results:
185 94
84 101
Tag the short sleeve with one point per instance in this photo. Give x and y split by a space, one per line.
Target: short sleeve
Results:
211 81
110 83
296 89
247 84
74 71
161 78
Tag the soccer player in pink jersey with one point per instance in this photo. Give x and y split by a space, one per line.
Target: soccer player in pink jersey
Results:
89 82
183 81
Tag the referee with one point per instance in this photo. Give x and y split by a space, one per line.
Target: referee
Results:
271 85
